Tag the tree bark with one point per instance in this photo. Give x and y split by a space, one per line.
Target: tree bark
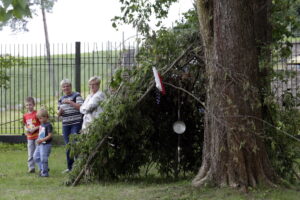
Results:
233 153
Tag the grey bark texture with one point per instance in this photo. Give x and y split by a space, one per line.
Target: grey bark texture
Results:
233 154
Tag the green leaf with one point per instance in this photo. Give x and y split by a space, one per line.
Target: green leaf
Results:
2 14
17 12
7 3
22 4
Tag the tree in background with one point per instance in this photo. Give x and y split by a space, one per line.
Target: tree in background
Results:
46 6
18 16
10 10
13 10
6 62
17 13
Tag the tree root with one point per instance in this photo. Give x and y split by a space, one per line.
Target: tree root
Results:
230 177
203 176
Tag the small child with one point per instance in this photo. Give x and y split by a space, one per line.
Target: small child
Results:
43 148
32 124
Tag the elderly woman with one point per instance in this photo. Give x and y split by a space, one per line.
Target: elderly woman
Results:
91 108
68 109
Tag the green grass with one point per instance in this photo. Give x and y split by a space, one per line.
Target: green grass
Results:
16 183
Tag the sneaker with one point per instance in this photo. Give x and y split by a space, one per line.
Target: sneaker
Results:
66 171
31 170
48 170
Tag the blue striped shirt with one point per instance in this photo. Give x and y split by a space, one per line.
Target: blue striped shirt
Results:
70 115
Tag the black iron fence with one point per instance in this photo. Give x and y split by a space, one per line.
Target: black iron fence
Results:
286 81
38 75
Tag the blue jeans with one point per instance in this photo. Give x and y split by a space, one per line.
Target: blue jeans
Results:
67 131
31 146
41 155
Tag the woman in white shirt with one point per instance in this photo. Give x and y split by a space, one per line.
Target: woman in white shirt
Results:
91 108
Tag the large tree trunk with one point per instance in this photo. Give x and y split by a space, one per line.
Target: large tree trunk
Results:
233 153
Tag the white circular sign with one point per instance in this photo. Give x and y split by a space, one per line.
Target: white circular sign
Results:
179 127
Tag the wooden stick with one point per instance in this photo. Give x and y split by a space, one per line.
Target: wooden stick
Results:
89 160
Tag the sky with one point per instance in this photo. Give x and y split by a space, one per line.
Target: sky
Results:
84 21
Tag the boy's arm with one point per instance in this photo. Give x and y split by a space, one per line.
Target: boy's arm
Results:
24 121
34 129
25 128
49 136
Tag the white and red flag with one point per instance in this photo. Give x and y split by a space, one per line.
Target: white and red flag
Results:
158 81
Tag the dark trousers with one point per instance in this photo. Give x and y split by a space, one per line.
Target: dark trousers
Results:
67 131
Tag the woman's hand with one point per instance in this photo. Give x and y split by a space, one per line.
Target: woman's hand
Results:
67 101
71 103
60 112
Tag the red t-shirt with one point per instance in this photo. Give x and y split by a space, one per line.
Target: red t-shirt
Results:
30 120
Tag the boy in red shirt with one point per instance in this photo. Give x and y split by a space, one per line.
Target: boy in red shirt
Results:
32 124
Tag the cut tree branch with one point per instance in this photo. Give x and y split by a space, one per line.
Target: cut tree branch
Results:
184 90
90 159
92 156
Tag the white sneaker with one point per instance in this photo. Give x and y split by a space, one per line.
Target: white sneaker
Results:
66 171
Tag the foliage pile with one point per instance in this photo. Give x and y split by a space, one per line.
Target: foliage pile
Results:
139 128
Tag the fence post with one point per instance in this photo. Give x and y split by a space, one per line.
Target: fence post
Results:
77 67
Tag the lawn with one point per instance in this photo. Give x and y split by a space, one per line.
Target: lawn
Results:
16 183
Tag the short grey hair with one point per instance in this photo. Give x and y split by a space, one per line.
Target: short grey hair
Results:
95 78
65 81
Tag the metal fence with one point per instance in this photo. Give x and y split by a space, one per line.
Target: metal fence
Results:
37 76
286 81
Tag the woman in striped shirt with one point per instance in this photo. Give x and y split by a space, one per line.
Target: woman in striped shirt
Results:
68 109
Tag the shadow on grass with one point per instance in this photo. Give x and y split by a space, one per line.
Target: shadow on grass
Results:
148 180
